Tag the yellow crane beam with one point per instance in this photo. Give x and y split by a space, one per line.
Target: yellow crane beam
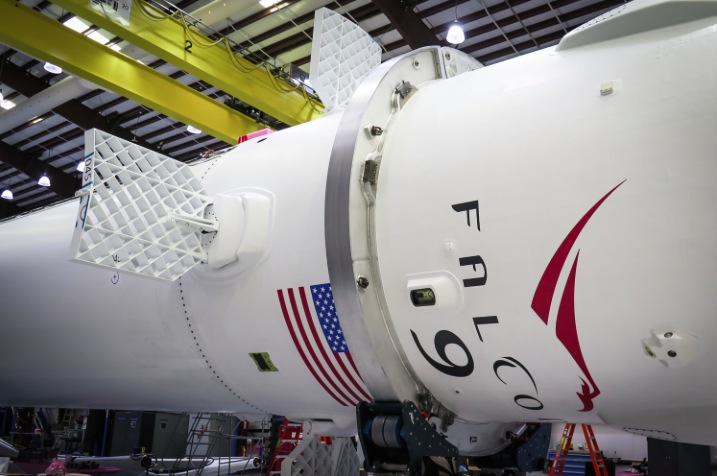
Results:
38 35
170 38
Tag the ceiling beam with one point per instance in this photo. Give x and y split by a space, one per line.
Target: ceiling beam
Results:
194 154
214 64
7 208
304 37
60 183
408 24
40 36
285 26
256 17
74 111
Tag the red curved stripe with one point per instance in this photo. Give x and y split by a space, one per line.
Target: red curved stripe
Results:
567 332
546 287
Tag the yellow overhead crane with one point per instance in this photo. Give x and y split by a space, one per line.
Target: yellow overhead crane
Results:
38 35
213 61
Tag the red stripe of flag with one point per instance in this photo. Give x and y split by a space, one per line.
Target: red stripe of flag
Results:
350 359
310 318
287 318
311 347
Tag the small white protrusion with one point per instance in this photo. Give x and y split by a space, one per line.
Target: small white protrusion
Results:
223 249
608 87
672 348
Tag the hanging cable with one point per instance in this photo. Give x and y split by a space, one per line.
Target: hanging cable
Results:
198 39
455 32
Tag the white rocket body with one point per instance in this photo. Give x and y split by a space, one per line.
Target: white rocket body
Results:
552 217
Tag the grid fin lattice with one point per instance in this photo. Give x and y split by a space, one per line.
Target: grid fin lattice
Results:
311 456
347 462
342 54
129 199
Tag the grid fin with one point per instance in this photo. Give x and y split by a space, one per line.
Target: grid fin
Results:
127 199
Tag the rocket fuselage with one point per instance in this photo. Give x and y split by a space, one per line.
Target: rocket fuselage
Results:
538 244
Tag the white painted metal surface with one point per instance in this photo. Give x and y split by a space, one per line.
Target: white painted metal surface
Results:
130 341
571 257
560 249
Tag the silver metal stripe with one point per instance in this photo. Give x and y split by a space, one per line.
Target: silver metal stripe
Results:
338 241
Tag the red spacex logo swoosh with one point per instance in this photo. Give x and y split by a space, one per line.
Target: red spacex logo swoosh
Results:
565 326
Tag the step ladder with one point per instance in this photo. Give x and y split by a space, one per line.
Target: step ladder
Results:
290 435
66 418
561 454
206 430
595 454
70 432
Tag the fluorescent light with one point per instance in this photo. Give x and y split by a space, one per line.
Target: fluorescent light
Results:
80 166
44 181
98 37
35 120
7 194
51 68
193 130
279 7
268 3
80 26
76 24
7 105
455 34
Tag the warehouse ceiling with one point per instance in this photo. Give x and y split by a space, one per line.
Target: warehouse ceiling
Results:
44 115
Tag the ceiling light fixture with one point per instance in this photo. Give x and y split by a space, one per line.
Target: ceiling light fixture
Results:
80 166
76 24
98 37
7 194
44 181
455 32
52 68
193 130
268 3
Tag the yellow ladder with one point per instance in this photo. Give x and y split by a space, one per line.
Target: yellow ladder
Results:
561 453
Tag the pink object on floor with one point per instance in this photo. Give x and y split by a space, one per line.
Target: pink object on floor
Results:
56 467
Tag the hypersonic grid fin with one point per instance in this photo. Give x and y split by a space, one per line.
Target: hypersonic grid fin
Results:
140 211
342 54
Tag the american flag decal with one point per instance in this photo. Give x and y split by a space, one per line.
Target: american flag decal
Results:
311 318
